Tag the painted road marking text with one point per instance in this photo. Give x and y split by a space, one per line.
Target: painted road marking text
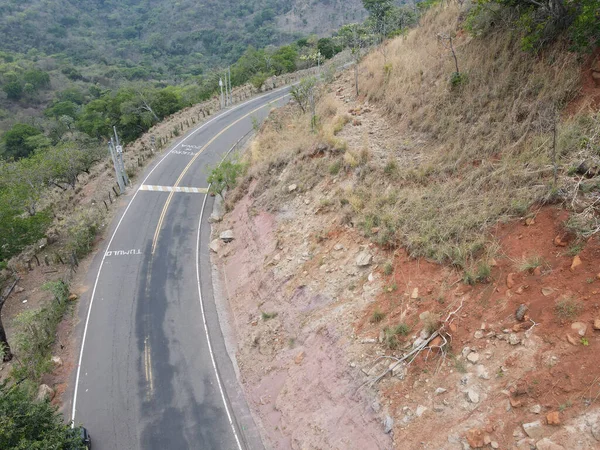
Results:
123 252
189 190
182 152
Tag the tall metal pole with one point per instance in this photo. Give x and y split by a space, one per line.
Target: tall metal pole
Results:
226 90
222 99
230 87
113 154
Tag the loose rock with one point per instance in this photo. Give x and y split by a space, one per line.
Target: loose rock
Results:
478 334
415 294
292 187
576 263
472 396
475 437
56 361
45 392
227 236
388 425
473 357
535 409
364 259
73 297
533 429
514 339
510 281
440 391
547 444
215 245
579 327
520 314
596 324
553 418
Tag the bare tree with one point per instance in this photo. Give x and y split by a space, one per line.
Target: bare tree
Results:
5 350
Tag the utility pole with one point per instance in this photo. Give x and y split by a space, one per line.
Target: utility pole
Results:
226 90
230 87
116 152
222 98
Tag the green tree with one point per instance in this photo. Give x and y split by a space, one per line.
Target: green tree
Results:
378 10
30 425
224 176
16 144
13 90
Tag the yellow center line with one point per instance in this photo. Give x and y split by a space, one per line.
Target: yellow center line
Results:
164 210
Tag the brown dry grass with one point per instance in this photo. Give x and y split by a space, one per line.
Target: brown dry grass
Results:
487 154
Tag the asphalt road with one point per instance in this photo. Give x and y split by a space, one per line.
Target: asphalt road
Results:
149 377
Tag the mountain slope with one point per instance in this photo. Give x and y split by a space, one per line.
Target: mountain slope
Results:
164 35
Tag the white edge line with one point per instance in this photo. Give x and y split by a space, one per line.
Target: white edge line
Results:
87 320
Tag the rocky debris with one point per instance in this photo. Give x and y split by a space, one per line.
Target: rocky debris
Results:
514 339
420 410
579 327
215 245
547 444
364 259
548 291
388 425
494 444
535 409
292 187
520 314
466 351
482 372
559 242
440 391
596 324
473 357
596 430
472 396
571 340
510 280
437 407
576 263
56 361
534 429
537 271
72 297
553 418
215 218
45 392
478 334
398 370
19 289
299 358
415 294
525 444
476 437
338 247
227 236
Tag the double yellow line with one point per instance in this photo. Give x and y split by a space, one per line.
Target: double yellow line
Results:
164 210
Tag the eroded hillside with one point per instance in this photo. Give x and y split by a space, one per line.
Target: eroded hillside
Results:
421 270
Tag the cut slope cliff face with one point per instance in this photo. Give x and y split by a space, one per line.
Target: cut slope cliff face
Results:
412 275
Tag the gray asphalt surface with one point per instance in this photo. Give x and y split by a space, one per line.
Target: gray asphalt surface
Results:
146 379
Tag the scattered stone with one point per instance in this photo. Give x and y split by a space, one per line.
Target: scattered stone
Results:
537 271
420 410
520 314
227 236
398 370
535 409
596 324
388 425
437 407
19 289
215 245
440 391
24 301
514 339
415 294
482 372
514 402
368 341
596 430
292 187
530 221
472 396
553 418
533 429
475 437
56 361
548 291
547 444
525 444
436 342
45 393
478 334
571 339
73 297
376 406
299 358
579 327
466 351
510 281
494 444
338 247
576 263
559 242
473 357
364 259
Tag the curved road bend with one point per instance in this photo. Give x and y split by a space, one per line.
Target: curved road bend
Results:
146 378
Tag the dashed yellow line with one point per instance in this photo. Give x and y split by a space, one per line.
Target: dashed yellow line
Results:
164 210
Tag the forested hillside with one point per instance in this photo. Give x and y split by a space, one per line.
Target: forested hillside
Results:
175 37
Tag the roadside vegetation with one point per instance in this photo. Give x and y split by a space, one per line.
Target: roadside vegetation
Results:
483 142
